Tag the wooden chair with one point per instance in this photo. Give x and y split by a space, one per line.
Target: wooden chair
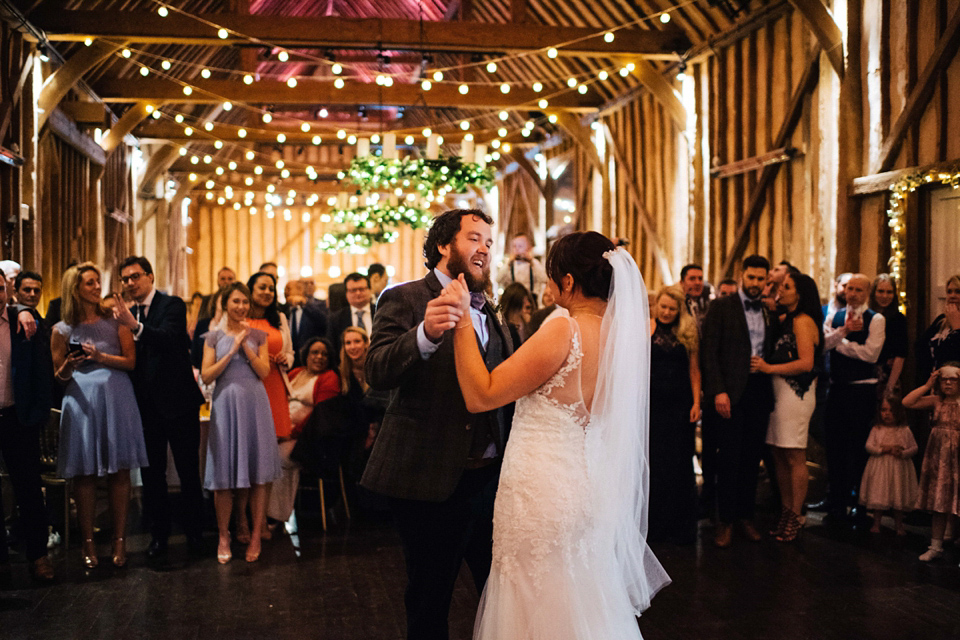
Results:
343 493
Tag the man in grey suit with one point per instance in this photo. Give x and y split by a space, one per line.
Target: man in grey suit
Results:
436 462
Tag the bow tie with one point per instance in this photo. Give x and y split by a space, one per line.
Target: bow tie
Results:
477 300
752 305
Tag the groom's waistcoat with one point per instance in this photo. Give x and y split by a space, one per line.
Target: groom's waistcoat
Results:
427 436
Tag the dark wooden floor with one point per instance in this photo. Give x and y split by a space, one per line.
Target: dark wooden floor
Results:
348 584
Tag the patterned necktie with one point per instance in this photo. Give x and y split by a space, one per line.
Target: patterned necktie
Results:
360 318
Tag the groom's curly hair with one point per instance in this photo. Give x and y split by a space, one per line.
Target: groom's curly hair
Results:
444 229
581 255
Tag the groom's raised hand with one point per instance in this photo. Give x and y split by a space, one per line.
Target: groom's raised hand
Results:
442 314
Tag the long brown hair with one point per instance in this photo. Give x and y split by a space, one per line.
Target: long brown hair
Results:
71 310
346 364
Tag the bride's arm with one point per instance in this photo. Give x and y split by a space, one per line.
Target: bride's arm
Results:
527 369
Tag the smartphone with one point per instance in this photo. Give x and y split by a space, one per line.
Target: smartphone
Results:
74 347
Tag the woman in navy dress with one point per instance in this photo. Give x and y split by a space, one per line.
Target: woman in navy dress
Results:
100 429
242 452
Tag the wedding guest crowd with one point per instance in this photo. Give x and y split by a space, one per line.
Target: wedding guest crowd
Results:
749 364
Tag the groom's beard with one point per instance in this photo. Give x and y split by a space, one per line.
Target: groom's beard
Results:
457 264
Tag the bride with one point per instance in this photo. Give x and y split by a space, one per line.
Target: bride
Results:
570 559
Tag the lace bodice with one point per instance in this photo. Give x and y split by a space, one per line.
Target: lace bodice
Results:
542 503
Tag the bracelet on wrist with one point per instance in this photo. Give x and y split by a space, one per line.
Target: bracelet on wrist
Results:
464 326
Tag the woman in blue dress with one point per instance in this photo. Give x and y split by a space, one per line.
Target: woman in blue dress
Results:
100 429
242 452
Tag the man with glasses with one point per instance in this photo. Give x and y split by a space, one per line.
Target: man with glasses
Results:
169 401
358 312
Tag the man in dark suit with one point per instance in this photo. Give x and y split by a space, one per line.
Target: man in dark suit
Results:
739 400
359 311
438 463
169 401
26 374
306 317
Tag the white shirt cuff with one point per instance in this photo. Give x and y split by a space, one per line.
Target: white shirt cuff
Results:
426 346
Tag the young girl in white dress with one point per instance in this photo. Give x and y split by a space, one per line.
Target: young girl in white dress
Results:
889 480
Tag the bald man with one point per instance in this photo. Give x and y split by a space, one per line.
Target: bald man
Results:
854 336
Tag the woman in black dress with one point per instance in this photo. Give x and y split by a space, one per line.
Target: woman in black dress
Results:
883 300
940 343
674 412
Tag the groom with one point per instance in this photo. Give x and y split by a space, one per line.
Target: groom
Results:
438 463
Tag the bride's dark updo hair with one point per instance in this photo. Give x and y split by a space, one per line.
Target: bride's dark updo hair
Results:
581 255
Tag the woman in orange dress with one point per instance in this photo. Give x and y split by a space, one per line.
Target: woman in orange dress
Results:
265 315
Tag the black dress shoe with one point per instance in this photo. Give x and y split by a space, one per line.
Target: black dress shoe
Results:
157 549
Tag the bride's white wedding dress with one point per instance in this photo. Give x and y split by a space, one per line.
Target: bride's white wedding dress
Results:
565 561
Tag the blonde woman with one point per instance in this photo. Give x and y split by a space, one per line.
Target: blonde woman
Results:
940 343
674 412
100 429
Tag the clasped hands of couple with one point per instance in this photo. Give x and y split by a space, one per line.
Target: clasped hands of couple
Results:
448 310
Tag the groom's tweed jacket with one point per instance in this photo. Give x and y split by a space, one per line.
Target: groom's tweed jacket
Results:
427 432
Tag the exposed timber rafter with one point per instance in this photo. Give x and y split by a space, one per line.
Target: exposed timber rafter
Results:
661 89
63 79
314 92
127 123
758 196
825 28
355 33
919 97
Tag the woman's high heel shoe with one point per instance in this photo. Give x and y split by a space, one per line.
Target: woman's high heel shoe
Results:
224 554
119 552
792 530
781 523
89 554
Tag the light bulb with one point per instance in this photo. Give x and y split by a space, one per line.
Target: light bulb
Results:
571 82
316 140
427 132
538 86
582 89
242 133
603 75
543 103
338 83
205 73
291 82
305 127
266 117
464 125
426 85
187 90
227 106
502 132
664 18
608 36
505 88
281 138
491 67
283 56
438 76
337 69
248 79
504 115
463 89
552 52
222 34
144 71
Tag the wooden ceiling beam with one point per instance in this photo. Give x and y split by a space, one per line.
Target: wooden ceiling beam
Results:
126 124
59 83
85 112
322 92
353 33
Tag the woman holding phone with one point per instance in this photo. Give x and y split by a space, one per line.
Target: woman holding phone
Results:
100 429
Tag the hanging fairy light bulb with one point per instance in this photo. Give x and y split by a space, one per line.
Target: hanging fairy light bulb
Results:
281 138
183 151
187 90
165 65
178 118
491 67
502 132
162 12
552 52
283 56
316 140
241 133
249 155
582 89
463 89
338 83
465 124
603 75
538 87
336 69
222 34
291 82
218 144
227 106
543 103
426 85
505 88
504 115
608 37
126 53
205 74
341 134
232 165
279 164
571 82
427 132
266 117
208 126
438 76
305 127
665 17
247 79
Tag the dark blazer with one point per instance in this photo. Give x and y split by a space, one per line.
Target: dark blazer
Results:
342 319
163 378
725 348
313 322
424 439
32 368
